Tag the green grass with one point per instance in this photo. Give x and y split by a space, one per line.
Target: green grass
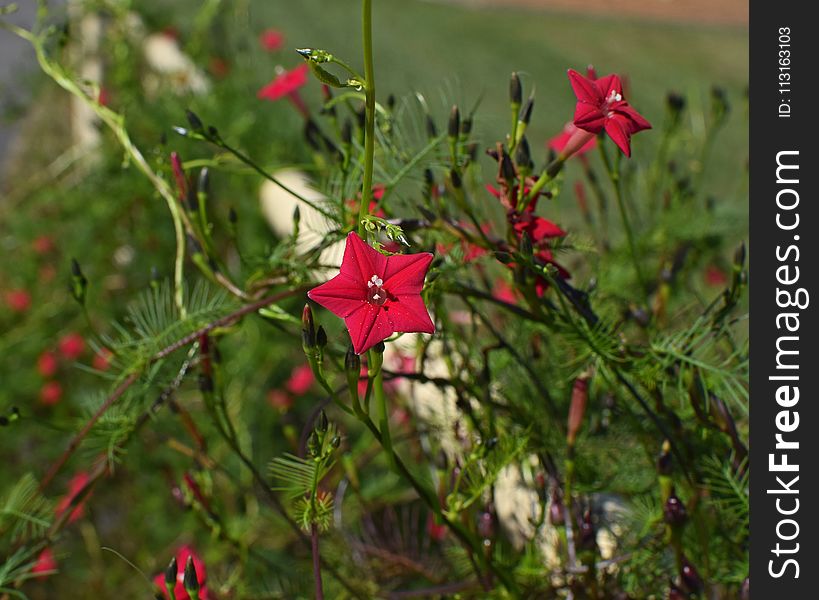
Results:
452 53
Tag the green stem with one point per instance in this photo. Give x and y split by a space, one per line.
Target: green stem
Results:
369 126
614 175
383 416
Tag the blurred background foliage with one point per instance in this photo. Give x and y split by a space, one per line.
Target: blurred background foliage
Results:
57 204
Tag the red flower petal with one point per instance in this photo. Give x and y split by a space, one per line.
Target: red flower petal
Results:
368 325
361 262
608 85
589 118
285 83
341 295
617 128
409 314
405 273
585 89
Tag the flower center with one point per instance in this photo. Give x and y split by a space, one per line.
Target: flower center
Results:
611 99
376 294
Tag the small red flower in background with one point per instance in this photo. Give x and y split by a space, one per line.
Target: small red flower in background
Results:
18 300
301 380
71 345
46 563
504 292
47 364
42 244
435 531
218 67
75 486
601 106
559 142
377 295
50 393
179 589
102 359
280 400
716 277
286 85
271 40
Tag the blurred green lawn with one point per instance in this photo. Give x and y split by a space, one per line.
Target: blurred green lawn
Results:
452 53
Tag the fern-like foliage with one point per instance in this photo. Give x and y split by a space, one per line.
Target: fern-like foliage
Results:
24 512
482 467
299 478
153 322
729 493
700 348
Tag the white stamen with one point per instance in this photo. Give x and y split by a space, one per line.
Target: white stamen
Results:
376 296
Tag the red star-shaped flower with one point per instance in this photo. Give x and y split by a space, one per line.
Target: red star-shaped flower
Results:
377 295
285 83
600 105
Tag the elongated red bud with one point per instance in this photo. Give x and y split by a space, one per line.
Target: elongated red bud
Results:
577 408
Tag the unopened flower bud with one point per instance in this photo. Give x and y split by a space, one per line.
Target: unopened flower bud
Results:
454 123
556 512
466 126
506 167
171 572
308 328
455 178
321 337
587 536
523 156
486 525
203 183
79 284
314 444
664 460
690 578
739 256
194 121
191 580
323 424
515 90
432 131
675 103
674 511
352 368
577 408
526 111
